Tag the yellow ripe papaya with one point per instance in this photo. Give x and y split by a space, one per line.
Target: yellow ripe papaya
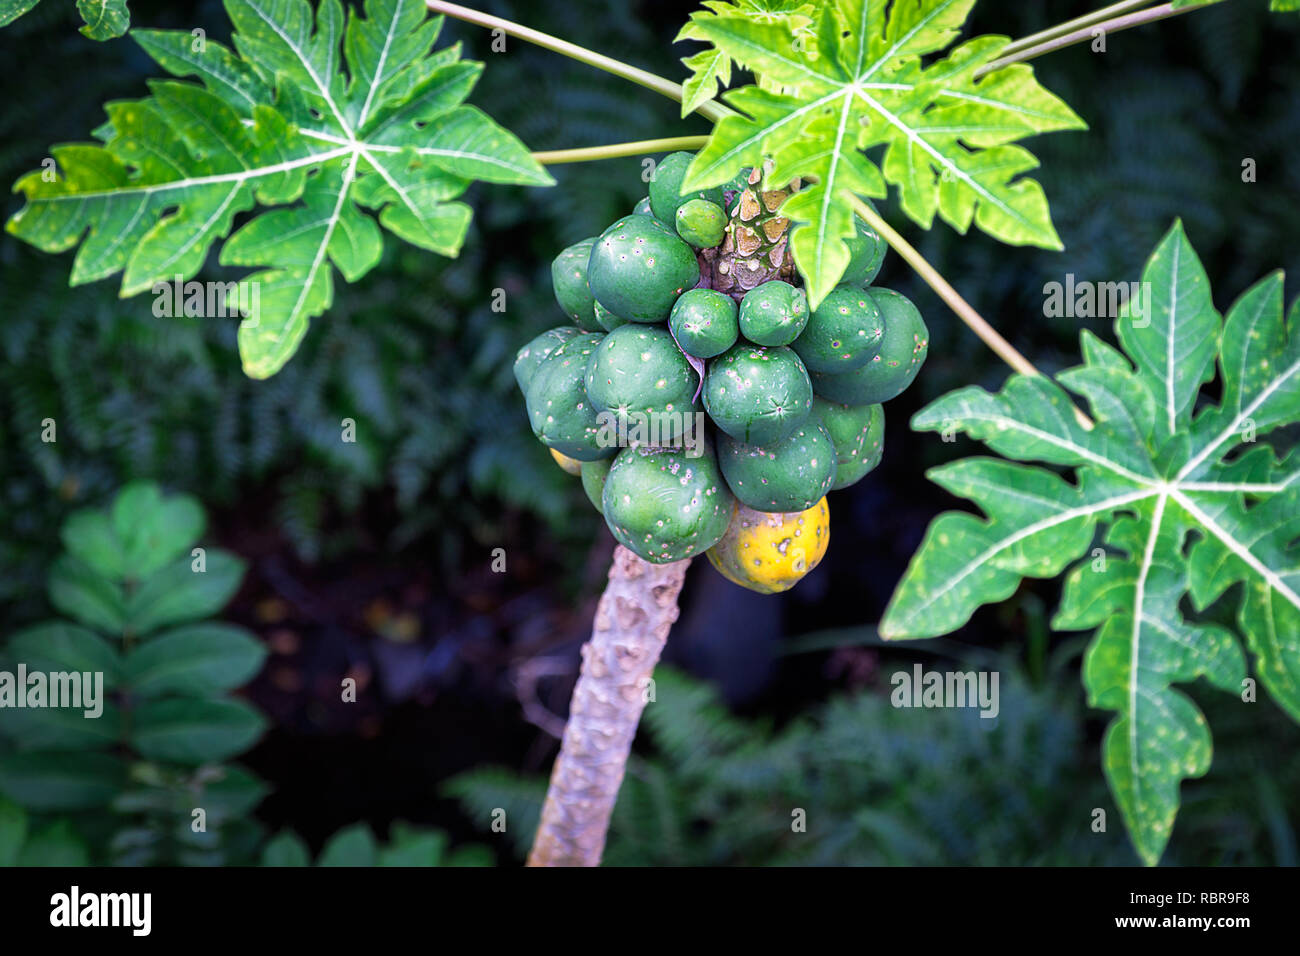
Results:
571 465
770 552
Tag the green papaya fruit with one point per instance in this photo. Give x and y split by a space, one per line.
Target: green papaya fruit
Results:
858 434
900 357
569 278
607 319
866 255
529 358
561 414
642 208
593 480
665 505
666 187
639 267
704 322
701 223
843 333
773 313
640 376
792 474
757 394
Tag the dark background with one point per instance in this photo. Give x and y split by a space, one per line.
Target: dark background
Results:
373 560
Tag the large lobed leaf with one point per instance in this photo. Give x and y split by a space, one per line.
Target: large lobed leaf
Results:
1189 502
858 83
711 67
324 116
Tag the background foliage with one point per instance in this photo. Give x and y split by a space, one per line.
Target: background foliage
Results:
372 558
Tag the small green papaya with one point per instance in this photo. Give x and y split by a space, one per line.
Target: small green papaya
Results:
773 313
792 474
561 414
843 333
858 434
639 267
701 223
529 358
569 279
666 187
593 480
900 357
757 394
639 375
607 319
866 255
642 208
665 505
704 322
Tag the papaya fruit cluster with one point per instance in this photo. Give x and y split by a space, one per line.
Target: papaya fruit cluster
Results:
708 421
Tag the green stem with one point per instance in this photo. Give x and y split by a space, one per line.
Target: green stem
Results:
615 150
1114 25
1069 26
712 111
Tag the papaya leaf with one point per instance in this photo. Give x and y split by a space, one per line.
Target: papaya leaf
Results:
322 116
1188 504
711 67
105 19
860 83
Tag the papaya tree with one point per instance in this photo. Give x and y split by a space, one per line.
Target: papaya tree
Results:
727 353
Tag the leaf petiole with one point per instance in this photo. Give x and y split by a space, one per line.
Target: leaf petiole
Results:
642 147
712 111
1113 25
1078 23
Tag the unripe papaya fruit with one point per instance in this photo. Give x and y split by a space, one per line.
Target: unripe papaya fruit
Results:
571 465
560 412
866 255
666 187
593 480
701 223
792 474
858 434
704 322
639 267
639 375
569 278
757 394
773 313
607 319
772 552
529 358
664 505
843 333
902 353
642 208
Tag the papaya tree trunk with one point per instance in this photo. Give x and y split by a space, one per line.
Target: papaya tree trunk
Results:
630 629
